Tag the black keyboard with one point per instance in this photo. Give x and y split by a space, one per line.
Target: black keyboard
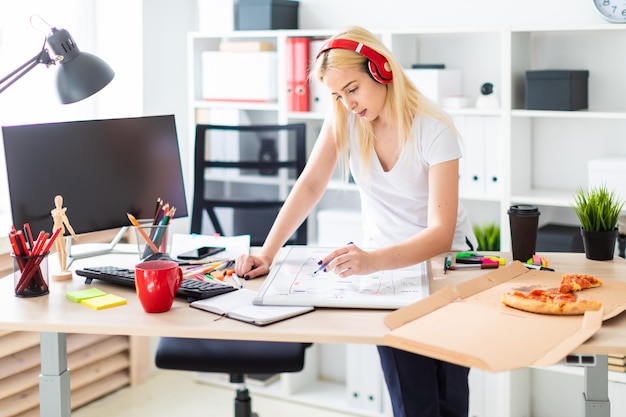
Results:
190 289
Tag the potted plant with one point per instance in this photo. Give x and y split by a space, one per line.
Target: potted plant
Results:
598 210
488 237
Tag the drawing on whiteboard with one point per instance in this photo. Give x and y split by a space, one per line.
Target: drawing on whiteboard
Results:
293 281
379 283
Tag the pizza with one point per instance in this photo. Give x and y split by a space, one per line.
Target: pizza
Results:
556 302
578 282
549 302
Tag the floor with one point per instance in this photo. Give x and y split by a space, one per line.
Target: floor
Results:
173 393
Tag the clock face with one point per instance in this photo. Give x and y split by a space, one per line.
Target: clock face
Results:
612 10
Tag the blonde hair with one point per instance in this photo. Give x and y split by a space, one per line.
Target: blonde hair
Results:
403 99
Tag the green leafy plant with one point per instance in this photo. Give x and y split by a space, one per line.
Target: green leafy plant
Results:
597 208
488 237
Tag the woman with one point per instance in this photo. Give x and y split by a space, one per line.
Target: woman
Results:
403 154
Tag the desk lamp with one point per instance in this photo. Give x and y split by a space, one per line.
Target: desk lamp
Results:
80 74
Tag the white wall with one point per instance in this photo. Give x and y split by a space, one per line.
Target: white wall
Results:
400 14
110 29
165 27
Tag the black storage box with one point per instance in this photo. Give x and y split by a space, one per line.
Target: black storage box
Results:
266 14
556 89
559 238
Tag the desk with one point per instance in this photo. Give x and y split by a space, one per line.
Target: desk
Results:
54 316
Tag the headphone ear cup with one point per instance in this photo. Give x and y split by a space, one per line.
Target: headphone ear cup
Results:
377 64
373 69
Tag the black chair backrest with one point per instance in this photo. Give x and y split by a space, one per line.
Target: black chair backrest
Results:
242 175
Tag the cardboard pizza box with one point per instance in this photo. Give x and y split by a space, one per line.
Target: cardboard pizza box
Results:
470 326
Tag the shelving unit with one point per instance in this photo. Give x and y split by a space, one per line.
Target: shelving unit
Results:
543 155
539 139
99 365
482 48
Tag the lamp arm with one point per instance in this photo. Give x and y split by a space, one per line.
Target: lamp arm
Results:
42 57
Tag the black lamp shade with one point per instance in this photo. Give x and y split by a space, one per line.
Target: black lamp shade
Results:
80 74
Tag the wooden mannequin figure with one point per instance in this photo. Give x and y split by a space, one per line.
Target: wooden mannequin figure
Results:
60 221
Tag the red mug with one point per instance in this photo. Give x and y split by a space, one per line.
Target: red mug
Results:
156 283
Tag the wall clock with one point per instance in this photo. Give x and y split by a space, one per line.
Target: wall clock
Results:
612 10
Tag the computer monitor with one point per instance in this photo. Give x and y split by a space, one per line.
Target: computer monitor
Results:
103 169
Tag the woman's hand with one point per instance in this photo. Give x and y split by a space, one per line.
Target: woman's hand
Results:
349 260
250 267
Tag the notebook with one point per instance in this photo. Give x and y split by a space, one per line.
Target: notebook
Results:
238 305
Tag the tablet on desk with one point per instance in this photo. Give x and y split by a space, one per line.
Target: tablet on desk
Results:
292 281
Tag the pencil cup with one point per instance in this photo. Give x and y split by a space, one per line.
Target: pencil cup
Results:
152 241
30 275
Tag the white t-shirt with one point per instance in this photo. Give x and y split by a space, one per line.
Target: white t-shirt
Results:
394 204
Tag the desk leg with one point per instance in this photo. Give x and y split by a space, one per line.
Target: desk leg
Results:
596 395
54 380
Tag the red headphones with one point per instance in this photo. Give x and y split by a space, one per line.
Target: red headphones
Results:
377 64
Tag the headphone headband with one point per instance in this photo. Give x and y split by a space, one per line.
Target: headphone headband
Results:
377 63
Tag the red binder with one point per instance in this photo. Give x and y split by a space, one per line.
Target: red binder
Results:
297 57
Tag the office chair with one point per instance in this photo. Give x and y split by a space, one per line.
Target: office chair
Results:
235 357
242 175
236 170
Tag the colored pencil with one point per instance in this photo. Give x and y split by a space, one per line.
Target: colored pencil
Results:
135 223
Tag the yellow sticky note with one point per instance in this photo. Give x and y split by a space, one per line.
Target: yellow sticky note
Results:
104 301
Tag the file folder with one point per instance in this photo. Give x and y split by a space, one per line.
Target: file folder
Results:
297 58
319 95
493 156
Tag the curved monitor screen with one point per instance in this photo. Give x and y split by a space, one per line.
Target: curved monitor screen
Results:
103 169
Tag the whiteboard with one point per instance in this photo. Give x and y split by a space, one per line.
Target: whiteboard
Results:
291 282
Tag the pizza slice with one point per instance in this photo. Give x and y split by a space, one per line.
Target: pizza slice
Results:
549 302
571 283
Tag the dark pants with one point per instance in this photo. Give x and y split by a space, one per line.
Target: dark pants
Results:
420 386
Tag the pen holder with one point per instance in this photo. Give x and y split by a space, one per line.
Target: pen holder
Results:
30 275
152 241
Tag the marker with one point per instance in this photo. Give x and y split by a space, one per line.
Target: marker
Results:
204 270
325 264
474 266
539 267
322 266
236 280
447 263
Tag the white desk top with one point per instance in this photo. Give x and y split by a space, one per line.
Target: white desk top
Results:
55 313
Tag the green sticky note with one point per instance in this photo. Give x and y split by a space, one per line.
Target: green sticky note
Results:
78 296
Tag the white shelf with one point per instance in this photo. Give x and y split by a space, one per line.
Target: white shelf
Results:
578 114
619 377
555 198
239 105
250 179
543 154
305 116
